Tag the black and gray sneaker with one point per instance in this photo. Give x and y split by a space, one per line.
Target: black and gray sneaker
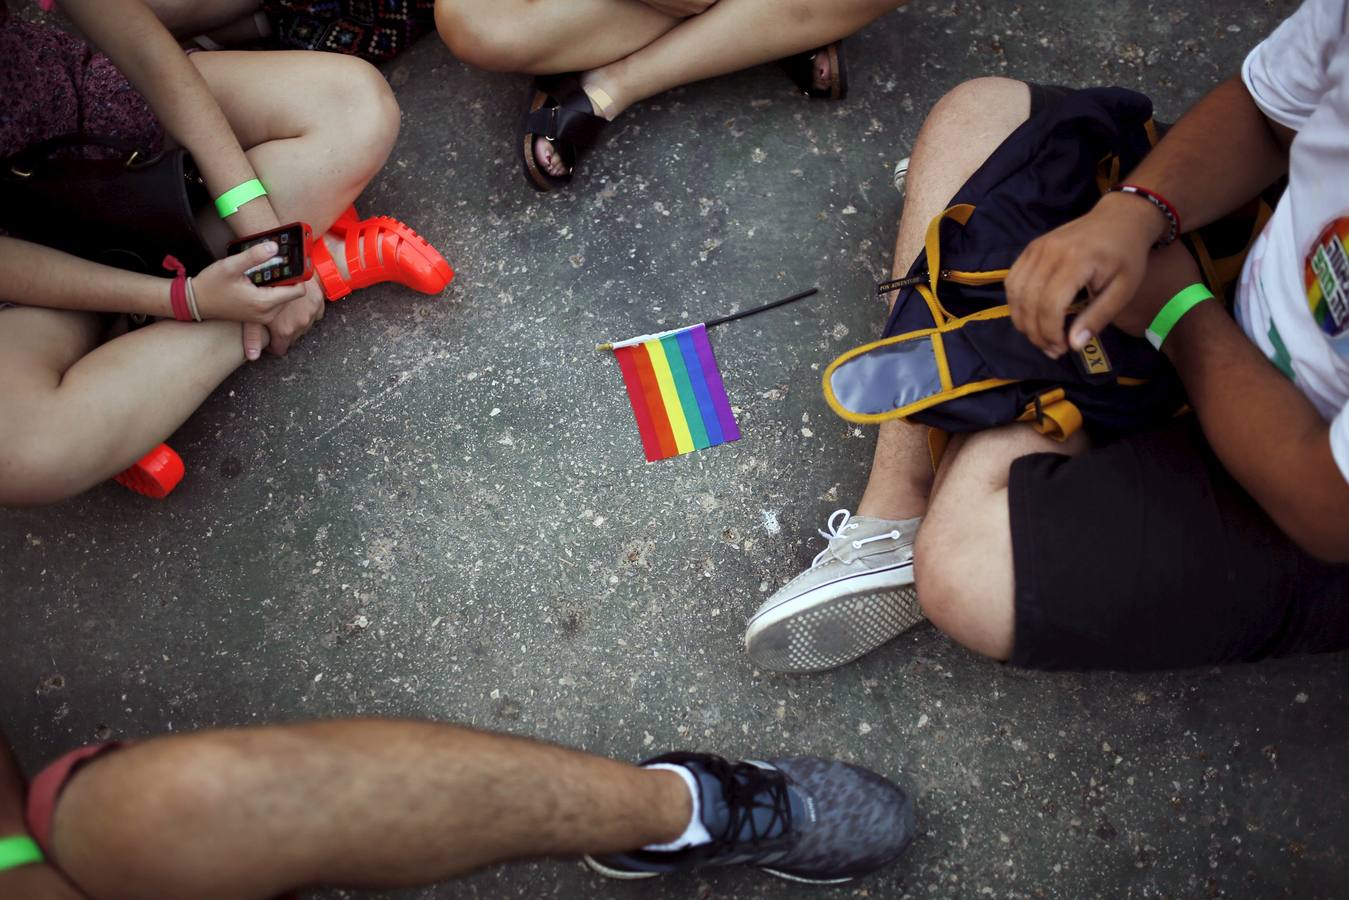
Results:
803 818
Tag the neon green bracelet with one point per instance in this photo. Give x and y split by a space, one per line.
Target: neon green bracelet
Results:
1174 310
20 850
228 203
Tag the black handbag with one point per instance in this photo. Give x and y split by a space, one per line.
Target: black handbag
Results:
128 211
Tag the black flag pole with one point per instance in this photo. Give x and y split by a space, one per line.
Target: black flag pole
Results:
711 323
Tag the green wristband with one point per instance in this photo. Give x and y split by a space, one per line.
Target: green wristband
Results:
20 850
1174 310
228 203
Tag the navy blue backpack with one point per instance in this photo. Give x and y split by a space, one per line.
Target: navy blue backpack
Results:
950 357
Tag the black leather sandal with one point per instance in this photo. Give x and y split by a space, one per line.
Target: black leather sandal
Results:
801 69
558 110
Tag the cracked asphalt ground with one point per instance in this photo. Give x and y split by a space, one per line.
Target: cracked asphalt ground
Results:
439 507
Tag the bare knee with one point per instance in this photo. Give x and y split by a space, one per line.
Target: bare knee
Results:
963 575
989 101
941 593
486 35
370 118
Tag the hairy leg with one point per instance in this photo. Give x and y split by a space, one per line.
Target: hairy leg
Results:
250 813
963 129
89 413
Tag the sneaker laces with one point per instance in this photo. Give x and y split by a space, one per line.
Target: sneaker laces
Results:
837 530
746 789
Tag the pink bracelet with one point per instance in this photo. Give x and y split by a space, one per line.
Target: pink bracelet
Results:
178 290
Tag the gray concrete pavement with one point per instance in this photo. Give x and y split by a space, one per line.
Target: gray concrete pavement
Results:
440 507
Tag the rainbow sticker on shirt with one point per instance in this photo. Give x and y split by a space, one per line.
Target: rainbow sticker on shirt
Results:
1327 278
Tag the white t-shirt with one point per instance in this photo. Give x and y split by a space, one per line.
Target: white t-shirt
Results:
1293 298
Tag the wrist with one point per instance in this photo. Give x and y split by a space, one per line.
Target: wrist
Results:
253 218
1190 330
1145 223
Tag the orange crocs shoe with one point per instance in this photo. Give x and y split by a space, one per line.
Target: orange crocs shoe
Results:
155 475
379 249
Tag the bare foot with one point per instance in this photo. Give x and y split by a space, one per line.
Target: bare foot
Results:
823 72
547 157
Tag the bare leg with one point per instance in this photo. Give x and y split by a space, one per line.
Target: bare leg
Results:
963 557
189 18
251 813
965 576
547 37
630 51
962 130
732 35
89 413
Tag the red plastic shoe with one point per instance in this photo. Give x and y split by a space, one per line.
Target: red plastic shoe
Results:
379 249
155 475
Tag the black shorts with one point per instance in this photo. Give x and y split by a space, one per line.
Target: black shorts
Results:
1146 554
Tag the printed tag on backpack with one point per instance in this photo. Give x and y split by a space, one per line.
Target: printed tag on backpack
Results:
1092 362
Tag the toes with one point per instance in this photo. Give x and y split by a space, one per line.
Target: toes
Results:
823 72
547 158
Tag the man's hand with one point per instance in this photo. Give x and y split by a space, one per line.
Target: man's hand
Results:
680 9
296 318
1170 270
1104 252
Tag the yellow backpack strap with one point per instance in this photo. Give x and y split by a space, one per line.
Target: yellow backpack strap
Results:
1053 415
961 213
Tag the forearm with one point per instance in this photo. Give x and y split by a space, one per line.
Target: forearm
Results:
128 32
34 275
1267 434
1222 153
38 275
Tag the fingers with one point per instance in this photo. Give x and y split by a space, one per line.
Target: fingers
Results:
240 263
1040 288
295 321
279 296
255 338
1101 311
1049 328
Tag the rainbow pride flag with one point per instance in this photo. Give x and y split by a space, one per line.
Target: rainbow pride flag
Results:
676 392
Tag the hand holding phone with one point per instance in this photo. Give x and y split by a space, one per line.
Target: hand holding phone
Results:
225 291
290 265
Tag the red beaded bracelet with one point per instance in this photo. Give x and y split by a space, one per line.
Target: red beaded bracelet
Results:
1163 204
178 289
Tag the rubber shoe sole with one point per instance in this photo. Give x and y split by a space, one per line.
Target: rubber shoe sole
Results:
632 875
833 624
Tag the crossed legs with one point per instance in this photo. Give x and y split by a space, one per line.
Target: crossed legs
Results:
630 51
75 411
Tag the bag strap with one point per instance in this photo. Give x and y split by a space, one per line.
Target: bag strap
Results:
23 162
1053 415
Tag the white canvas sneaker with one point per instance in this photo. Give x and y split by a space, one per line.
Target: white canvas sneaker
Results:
856 595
